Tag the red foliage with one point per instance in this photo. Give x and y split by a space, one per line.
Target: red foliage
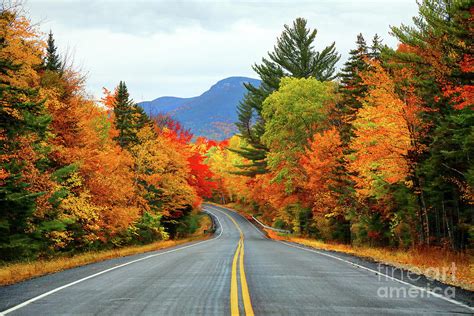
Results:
172 129
200 176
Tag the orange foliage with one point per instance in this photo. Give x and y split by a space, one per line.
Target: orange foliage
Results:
24 49
382 136
319 164
83 135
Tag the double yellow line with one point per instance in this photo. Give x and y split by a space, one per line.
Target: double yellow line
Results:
234 287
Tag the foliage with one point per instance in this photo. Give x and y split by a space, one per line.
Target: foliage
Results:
293 114
23 133
52 60
381 157
76 175
293 56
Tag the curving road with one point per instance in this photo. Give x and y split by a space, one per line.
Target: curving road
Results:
238 271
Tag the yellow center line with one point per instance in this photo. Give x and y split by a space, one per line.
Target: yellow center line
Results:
234 296
234 291
243 282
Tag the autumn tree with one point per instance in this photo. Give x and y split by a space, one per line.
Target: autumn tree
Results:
382 137
322 163
292 115
438 52
293 56
23 130
223 163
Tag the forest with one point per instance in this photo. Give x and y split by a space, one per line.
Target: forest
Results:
80 175
376 153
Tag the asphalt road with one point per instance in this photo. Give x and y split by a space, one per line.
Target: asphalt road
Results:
239 270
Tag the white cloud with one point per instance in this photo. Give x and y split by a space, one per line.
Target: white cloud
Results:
183 47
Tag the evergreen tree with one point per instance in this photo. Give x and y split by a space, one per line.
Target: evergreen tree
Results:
129 117
52 59
23 125
376 47
293 56
439 50
123 111
352 88
448 178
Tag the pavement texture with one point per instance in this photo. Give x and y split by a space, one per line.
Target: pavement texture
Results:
195 279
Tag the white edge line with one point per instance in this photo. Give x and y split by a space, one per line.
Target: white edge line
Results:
361 267
380 273
34 299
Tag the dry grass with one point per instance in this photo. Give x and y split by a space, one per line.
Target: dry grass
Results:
274 235
16 272
446 266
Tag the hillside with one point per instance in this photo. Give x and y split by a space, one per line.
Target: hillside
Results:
212 114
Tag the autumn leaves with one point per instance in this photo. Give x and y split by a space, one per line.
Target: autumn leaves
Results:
77 175
380 156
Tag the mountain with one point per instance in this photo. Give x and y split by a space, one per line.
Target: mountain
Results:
212 114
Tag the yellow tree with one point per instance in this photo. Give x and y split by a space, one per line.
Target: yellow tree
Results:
224 164
383 135
162 163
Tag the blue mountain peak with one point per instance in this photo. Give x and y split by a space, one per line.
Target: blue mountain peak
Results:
212 114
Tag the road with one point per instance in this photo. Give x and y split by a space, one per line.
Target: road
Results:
238 271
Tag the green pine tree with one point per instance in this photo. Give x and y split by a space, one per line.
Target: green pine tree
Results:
293 56
22 117
376 47
129 117
440 41
52 60
352 88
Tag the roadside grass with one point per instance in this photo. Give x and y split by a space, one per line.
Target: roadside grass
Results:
439 264
17 272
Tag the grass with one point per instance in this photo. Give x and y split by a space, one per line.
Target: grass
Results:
17 272
443 265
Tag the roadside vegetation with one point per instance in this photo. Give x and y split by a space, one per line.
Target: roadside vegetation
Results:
375 160
376 155
77 175
16 272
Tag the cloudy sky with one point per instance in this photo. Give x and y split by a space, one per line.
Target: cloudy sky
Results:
180 48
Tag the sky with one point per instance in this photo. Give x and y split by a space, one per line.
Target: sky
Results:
180 48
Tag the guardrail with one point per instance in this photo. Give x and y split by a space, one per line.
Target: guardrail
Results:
213 228
271 228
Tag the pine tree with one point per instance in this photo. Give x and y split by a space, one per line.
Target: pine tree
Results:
293 56
23 126
129 117
438 49
52 59
123 111
376 47
352 88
